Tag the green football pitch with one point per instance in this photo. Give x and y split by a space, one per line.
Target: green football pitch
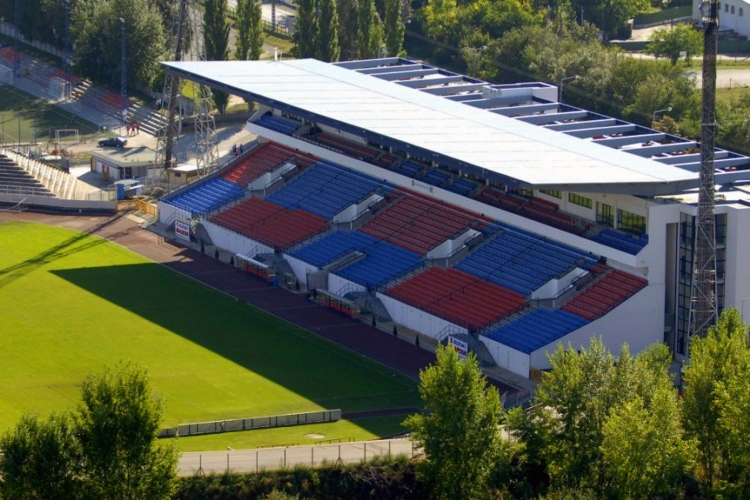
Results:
71 304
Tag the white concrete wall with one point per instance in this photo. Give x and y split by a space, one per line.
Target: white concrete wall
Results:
737 288
234 242
50 201
337 284
416 319
553 287
169 213
507 357
729 20
301 268
638 321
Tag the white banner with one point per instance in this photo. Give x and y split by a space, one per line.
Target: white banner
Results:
461 347
182 230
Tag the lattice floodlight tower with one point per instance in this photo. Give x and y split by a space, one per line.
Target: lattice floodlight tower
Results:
703 310
188 25
206 143
169 133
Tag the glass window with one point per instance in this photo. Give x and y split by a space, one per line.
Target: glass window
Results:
577 199
732 9
726 7
633 223
741 11
605 214
552 193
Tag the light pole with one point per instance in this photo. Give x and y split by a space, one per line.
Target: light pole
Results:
560 87
656 113
123 74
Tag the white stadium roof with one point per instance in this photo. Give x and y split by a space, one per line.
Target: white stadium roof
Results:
501 146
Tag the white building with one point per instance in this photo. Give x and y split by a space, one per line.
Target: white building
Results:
733 15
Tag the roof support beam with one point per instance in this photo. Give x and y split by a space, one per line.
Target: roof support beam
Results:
418 84
454 89
368 63
563 127
407 74
695 166
553 117
390 69
618 142
594 132
526 109
658 149
504 101
688 158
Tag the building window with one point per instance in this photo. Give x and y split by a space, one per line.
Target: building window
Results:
742 12
577 199
552 193
605 214
732 9
529 193
726 7
631 222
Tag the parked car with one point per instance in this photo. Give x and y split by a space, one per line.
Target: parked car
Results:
113 142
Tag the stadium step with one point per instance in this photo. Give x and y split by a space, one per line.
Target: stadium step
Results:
202 235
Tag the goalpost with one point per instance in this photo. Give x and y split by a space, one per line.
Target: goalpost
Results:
59 89
67 134
6 75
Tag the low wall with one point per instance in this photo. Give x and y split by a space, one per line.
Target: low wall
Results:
56 205
245 424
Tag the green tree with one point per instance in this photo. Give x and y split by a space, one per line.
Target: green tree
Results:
712 377
369 30
118 425
644 450
216 38
563 436
328 32
96 34
347 14
607 15
307 29
40 460
394 27
459 427
242 29
441 21
669 43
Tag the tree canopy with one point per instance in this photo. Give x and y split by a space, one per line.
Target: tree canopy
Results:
459 427
671 43
97 37
216 39
106 449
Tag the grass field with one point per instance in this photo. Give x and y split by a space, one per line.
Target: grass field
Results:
34 118
72 303
358 430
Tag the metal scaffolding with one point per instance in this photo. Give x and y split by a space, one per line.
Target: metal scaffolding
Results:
703 311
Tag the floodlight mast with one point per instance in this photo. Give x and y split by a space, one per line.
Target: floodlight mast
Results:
703 311
171 87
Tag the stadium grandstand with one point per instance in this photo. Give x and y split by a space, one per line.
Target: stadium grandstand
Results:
464 208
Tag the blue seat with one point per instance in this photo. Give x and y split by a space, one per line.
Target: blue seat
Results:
621 241
522 261
326 189
382 263
537 329
206 197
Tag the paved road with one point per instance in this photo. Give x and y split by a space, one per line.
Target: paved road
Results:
287 457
